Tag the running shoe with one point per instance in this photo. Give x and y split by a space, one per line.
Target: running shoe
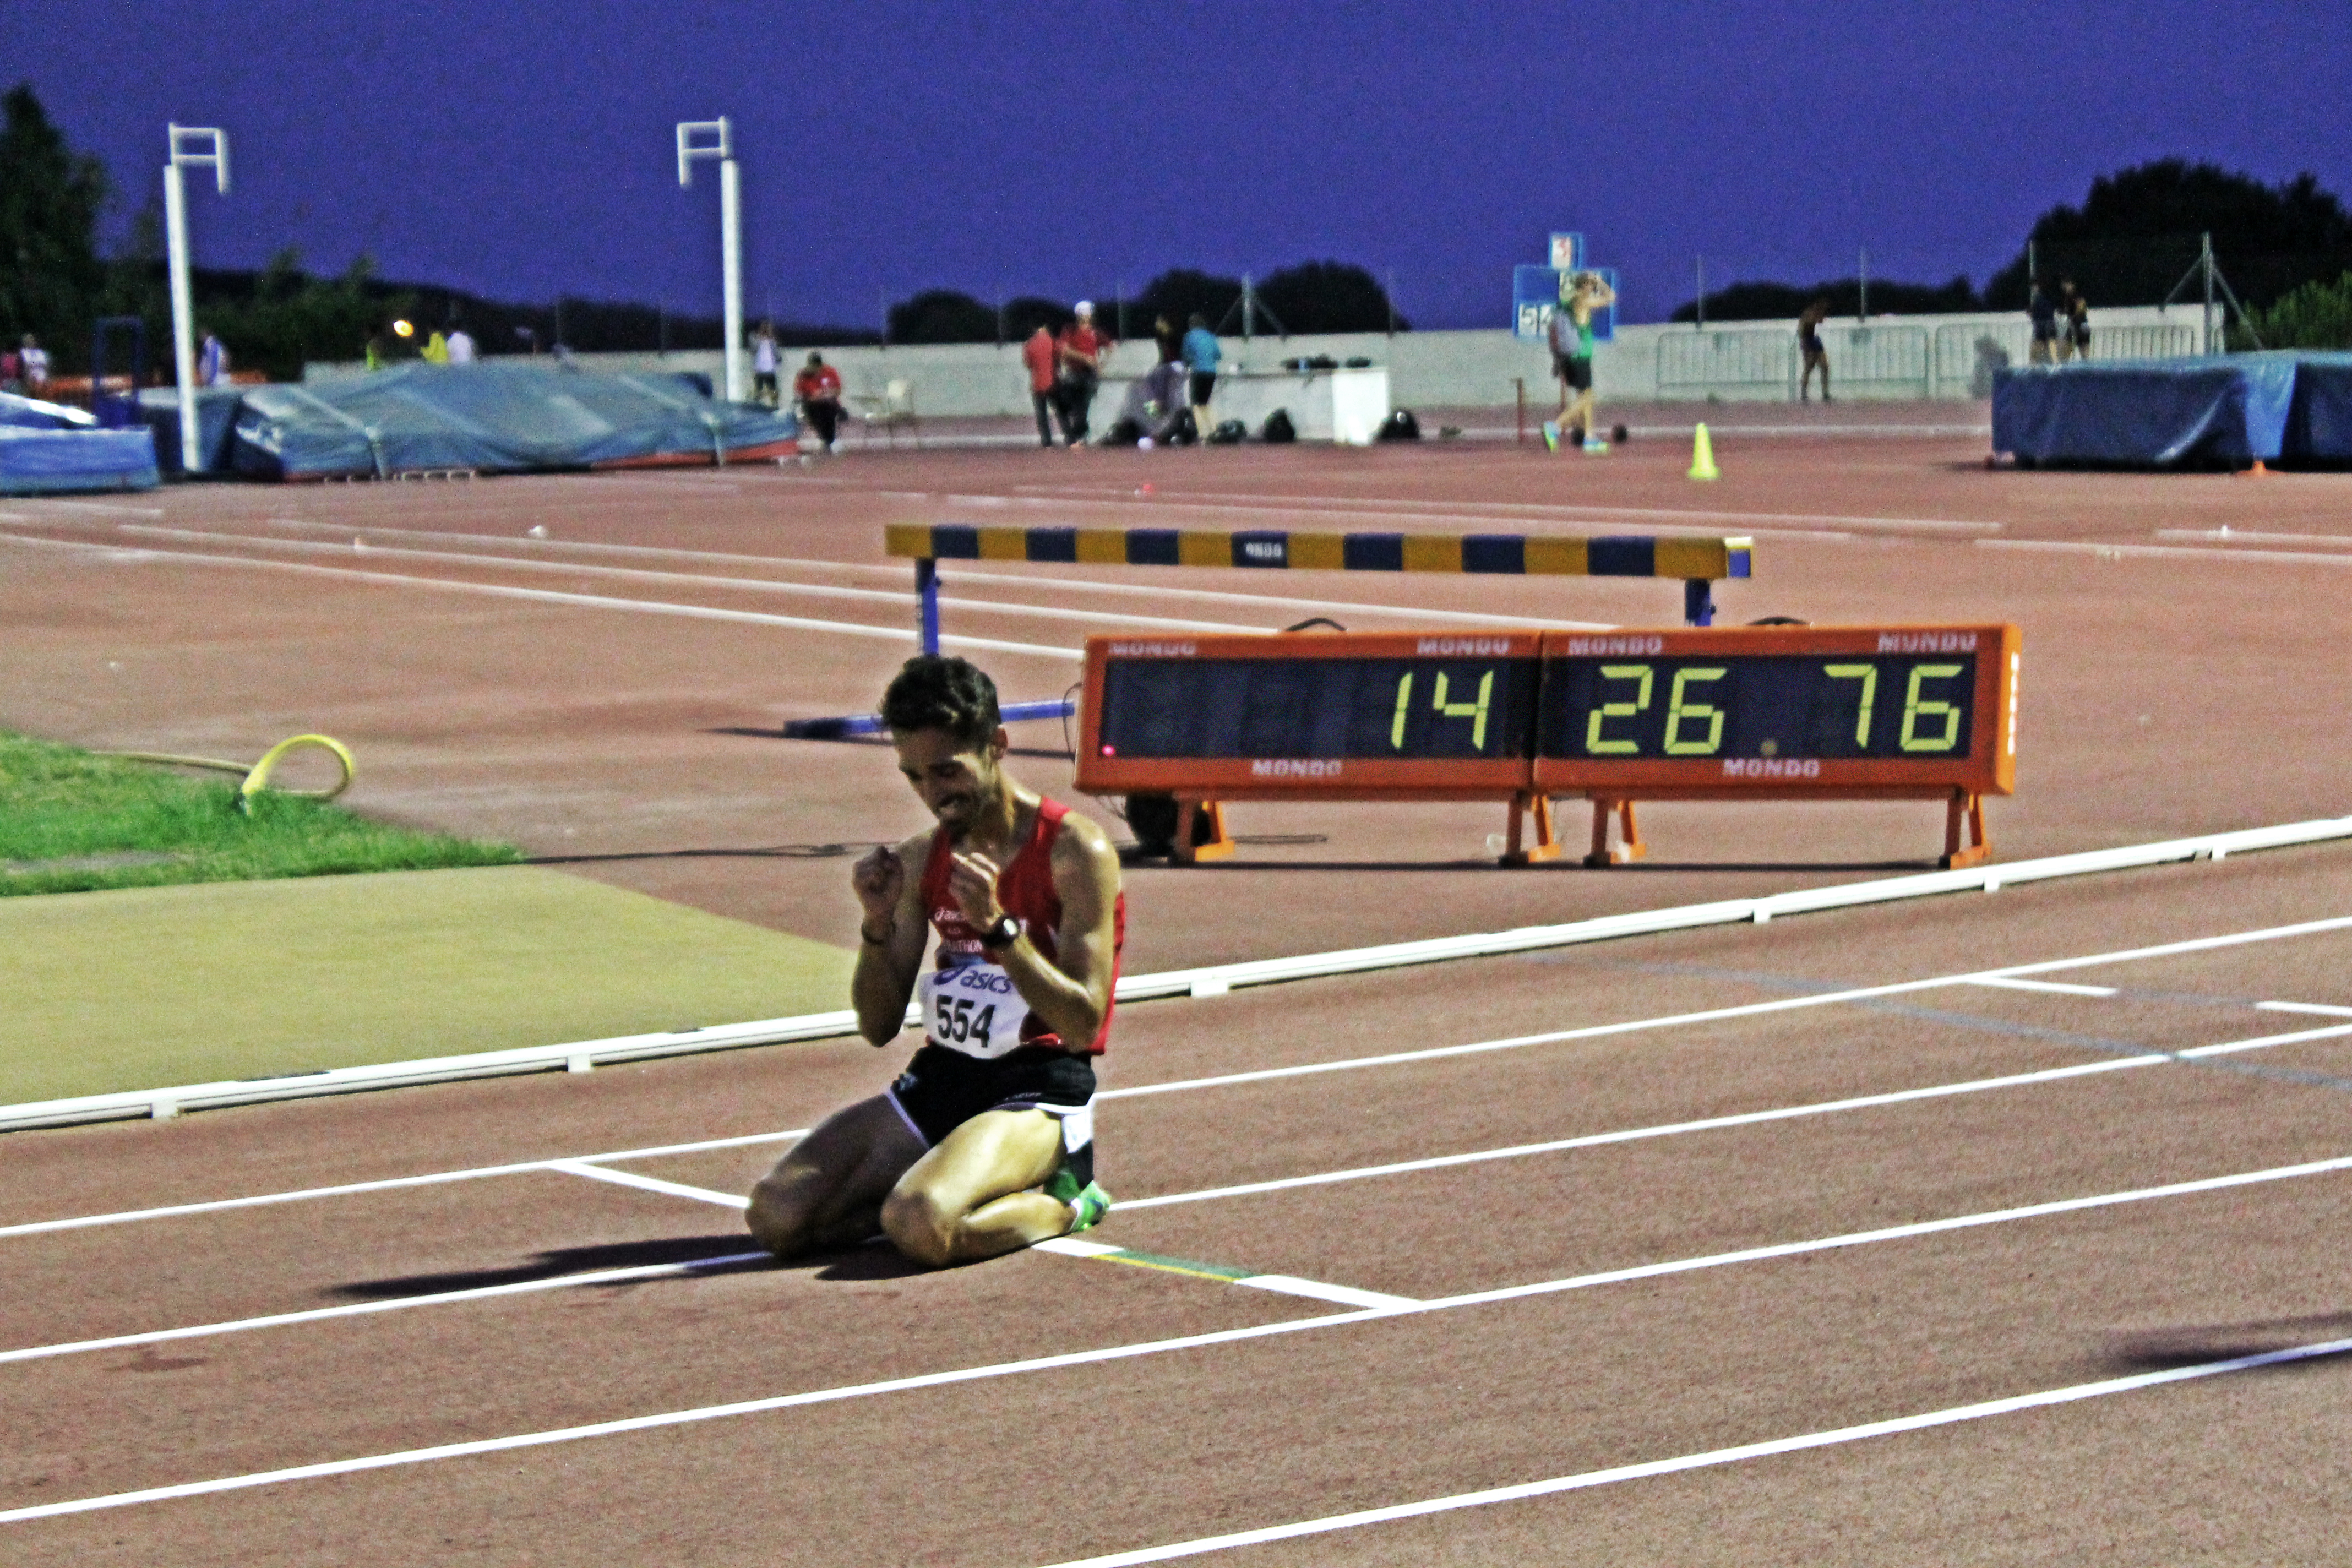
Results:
1551 437
1594 448
1088 1204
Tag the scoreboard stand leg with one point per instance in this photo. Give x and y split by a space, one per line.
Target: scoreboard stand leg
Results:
1969 808
1547 845
1201 833
1630 847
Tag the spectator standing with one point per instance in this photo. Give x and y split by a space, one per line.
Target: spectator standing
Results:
2075 336
1170 340
1201 358
212 361
11 372
1080 350
764 367
817 390
1809 346
33 360
1038 353
2044 316
435 350
461 344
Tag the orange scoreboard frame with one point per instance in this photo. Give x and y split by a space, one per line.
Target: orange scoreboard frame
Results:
1681 713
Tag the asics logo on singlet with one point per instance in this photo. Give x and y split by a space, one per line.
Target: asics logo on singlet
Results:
1294 768
1154 649
1473 647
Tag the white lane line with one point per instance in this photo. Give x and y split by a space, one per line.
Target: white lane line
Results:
387 1184
394 1304
650 1183
646 574
1714 1456
1129 1352
1736 1119
2324 1012
1317 1290
537 595
1777 1005
2057 987
2256 536
1434 512
965 574
2165 552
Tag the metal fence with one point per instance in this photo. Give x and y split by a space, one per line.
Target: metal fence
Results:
1733 358
1958 359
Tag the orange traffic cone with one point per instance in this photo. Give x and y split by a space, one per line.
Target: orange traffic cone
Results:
1703 457
2256 472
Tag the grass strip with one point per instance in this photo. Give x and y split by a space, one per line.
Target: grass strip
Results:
72 821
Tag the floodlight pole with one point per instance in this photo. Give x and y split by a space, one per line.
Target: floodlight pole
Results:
691 145
204 145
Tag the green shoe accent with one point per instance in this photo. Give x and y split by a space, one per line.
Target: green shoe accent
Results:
1550 437
1063 1187
1087 1208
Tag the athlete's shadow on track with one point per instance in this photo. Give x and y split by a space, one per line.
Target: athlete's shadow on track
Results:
2170 1348
562 1260
851 1265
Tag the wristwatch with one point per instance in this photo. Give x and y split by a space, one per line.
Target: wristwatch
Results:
1003 933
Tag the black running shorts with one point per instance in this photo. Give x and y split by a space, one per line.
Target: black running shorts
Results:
941 1090
1574 369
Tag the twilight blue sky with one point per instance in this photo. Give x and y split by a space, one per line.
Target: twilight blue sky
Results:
889 145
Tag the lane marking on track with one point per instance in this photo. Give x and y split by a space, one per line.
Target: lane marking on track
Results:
650 1183
2256 536
730 584
395 1304
1380 506
2165 552
2058 988
1259 1075
2324 1012
1715 1457
966 574
115 553
1287 1284
1250 1278
1404 1309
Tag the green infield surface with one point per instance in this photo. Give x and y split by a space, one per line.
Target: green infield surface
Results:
150 987
71 821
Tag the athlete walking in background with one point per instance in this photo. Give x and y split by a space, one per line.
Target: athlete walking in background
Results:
1571 360
985 1143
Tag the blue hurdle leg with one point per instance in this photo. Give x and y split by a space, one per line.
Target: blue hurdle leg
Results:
927 603
1698 607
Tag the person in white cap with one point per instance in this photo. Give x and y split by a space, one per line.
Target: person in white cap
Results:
1080 350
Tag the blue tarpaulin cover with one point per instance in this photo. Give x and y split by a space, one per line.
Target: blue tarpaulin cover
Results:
495 418
36 413
2320 425
35 462
2154 411
216 410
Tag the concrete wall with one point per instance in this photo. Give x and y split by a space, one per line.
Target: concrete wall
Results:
1892 357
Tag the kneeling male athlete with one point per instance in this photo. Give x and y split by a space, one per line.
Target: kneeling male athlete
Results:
985 1143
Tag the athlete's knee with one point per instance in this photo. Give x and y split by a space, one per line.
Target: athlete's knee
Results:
920 1226
779 1216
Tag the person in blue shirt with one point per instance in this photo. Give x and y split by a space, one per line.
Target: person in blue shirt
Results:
1201 357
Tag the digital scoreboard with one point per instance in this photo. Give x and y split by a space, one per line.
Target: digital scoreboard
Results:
1757 712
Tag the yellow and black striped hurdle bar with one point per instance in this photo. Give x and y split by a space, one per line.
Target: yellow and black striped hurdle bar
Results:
1699 562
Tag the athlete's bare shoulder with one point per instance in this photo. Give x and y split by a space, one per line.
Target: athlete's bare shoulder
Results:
1083 848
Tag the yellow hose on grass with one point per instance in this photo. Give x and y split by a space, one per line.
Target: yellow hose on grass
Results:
257 774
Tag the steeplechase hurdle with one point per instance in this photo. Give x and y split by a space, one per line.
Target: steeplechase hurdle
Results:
1698 563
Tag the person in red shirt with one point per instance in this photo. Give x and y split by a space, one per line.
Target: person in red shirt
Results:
985 1143
1081 349
1040 356
817 389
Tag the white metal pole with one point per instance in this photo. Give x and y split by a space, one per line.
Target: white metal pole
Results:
731 241
175 227
184 343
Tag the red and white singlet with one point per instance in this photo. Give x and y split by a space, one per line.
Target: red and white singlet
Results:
970 1004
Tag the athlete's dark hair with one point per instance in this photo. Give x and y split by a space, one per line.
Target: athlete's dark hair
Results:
934 693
